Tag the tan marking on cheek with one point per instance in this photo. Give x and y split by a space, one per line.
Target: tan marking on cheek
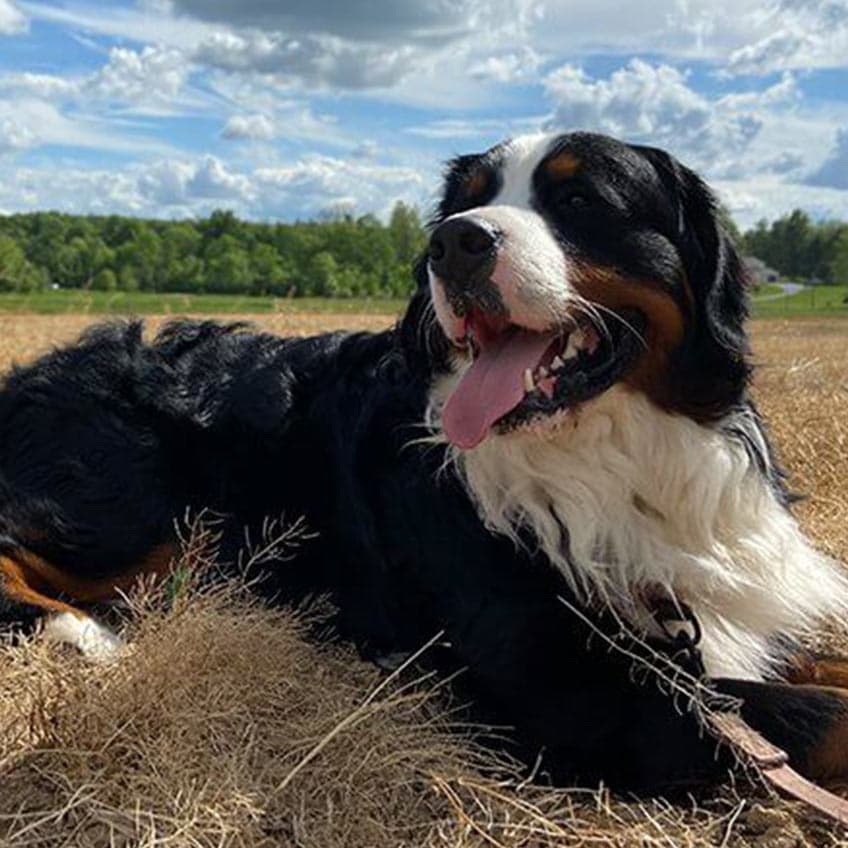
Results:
664 330
563 165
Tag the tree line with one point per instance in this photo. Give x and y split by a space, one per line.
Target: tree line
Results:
338 257
800 248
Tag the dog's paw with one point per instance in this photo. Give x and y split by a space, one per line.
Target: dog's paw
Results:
93 640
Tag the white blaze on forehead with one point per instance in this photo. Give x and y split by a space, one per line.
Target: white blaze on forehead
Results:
531 272
520 159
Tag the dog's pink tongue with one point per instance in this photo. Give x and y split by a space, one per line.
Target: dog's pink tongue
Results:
492 386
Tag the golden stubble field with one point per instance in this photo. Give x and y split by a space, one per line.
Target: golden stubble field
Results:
223 726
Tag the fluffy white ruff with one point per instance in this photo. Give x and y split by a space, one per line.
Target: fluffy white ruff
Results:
85 634
649 500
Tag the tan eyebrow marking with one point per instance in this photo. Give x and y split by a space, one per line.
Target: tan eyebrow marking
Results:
563 165
477 182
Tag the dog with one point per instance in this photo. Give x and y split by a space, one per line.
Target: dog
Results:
555 444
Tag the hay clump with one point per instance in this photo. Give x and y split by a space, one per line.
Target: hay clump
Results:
225 723
192 737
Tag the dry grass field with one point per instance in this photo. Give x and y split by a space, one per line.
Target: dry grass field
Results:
223 726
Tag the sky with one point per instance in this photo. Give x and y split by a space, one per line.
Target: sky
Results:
291 109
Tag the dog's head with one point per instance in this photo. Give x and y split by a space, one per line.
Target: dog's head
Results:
561 265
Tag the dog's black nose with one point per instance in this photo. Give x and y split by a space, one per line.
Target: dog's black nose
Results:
463 249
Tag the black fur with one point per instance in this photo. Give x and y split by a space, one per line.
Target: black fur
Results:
104 443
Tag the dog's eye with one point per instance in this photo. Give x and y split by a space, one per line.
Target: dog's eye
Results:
572 199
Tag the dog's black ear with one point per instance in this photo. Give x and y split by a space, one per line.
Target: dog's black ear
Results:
711 371
425 346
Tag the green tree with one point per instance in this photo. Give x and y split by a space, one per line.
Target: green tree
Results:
839 263
143 253
180 262
407 235
105 280
228 268
222 222
726 220
16 272
267 270
127 280
322 273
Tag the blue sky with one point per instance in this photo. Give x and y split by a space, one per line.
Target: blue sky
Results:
284 110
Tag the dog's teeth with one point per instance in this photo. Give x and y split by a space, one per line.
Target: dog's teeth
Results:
570 349
578 338
529 385
556 363
543 372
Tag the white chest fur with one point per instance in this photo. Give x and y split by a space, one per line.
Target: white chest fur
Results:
652 499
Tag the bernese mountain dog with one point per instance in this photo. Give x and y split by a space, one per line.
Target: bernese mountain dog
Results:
555 444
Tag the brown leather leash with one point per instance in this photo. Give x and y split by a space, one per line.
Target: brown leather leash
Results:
773 763
681 627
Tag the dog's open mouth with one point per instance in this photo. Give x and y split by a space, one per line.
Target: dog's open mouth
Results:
518 376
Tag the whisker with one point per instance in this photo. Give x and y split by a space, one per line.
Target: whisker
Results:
425 322
625 323
591 311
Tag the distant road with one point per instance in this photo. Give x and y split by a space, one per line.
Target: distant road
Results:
785 289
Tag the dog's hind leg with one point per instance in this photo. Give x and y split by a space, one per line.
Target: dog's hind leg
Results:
809 722
805 667
25 599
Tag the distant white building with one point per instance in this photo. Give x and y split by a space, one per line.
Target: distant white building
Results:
758 272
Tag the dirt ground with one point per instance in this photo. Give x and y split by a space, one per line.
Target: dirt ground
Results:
197 739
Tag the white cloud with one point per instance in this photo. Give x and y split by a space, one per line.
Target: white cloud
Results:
366 44
778 94
517 66
315 60
145 23
45 86
40 123
788 161
12 20
150 74
317 182
290 117
655 104
366 149
14 136
256 127
798 34
79 111
482 130
213 180
749 200
165 183
181 186
76 190
170 183
833 172
428 22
